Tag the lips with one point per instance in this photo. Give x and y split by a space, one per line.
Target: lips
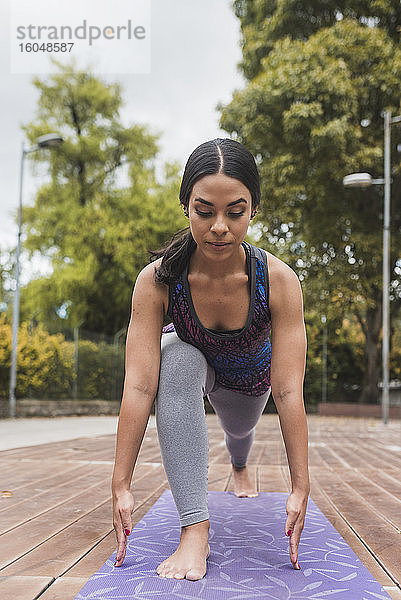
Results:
218 243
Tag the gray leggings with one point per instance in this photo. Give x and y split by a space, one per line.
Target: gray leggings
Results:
185 377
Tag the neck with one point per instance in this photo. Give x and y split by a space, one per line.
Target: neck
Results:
219 268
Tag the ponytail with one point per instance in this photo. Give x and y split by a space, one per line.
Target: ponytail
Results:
176 254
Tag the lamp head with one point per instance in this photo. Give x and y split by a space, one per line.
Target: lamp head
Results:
358 180
49 140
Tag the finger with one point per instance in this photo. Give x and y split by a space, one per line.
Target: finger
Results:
120 555
293 547
121 547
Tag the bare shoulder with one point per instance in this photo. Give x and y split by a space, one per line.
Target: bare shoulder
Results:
284 285
147 288
278 269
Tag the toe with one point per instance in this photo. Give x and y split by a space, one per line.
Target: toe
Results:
193 575
161 568
180 575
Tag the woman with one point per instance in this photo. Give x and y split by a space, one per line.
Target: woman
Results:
224 303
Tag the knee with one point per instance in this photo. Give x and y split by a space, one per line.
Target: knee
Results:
240 433
179 359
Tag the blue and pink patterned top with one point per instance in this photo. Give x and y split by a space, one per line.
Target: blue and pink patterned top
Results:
241 358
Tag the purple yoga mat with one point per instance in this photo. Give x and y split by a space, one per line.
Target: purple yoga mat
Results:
248 557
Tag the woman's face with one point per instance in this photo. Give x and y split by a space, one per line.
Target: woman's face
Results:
219 213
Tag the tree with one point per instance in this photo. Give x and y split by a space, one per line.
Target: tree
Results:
263 22
303 116
95 232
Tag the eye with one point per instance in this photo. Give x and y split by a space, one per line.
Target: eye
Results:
237 214
202 213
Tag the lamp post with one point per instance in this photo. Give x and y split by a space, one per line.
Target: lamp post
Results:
49 140
366 180
324 361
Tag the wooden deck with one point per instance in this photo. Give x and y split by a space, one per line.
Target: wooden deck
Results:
56 528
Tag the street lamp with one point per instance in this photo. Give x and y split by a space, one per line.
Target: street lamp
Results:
50 140
366 180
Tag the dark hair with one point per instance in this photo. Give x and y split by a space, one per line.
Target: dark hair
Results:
221 155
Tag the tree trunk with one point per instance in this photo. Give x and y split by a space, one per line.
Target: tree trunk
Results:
371 325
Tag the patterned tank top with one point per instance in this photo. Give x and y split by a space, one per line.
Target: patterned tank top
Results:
241 358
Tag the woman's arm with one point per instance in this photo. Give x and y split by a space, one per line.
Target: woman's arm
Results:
142 364
287 376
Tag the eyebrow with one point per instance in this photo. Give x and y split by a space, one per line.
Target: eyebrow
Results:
211 203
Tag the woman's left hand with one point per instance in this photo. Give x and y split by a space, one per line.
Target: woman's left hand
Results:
296 510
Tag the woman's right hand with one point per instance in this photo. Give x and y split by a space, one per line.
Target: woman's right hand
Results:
123 506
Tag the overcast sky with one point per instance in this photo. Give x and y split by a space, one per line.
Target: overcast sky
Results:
195 49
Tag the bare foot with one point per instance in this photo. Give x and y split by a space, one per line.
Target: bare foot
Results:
243 488
189 560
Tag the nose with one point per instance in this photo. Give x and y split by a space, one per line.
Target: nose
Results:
219 226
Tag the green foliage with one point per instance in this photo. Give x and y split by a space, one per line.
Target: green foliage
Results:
263 22
345 360
100 370
46 365
45 362
95 232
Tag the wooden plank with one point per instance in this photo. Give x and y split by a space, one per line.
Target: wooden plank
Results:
373 530
378 499
40 485
386 480
25 472
315 459
360 455
218 477
270 453
271 479
63 588
31 505
355 543
22 588
21 541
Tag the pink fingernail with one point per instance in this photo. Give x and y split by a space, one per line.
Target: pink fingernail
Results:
289 532
126 531
297 566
